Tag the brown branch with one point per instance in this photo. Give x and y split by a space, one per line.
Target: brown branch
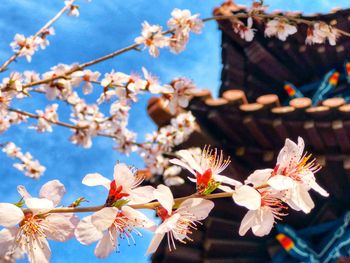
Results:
152 205
67 125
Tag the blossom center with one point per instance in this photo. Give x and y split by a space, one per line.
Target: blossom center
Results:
203 179
115 193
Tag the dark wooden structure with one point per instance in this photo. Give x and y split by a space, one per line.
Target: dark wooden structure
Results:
248 123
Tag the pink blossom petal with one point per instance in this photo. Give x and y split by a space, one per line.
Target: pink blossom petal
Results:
86 233
95 179
266 222
39 205
164 197
10 215
104 218
188 157
123 176
23 192
7 240
141 195
314 185
248 197
226 180
155 243
259 177
182 164
106 245
53 190
280 182
169 224
199 207
38 250
138 218
301 198
247 222
61 226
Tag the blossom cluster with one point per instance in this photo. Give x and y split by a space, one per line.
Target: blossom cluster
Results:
283 26
29 166
119 90
180 25
266 193
163 140
27 46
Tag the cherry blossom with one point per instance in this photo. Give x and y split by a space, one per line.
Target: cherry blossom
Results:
183 22
245 32
73 10
12 86
30 167
279 28
108 225
153 85
177 224
320 32
35 225
126 184
182 91
294 175
57 88
264 207
206 170
25 47
88 77
46 118
153 38
42 40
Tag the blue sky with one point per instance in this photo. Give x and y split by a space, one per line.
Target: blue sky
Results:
104 26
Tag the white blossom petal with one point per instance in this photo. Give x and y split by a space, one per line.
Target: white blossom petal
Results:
61 226
164 197
53 190
95 179
188 157
86 233
247 222
10 215
104 218
199 207
280 182
39 205
247 196
106 245
259 177
301 198
38 250
155 242
266 222
141 195
123 176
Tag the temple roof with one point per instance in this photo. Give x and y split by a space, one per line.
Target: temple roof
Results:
264 64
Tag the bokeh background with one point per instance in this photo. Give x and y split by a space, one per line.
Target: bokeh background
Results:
104 26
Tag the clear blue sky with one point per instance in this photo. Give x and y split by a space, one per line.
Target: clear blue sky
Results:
104 26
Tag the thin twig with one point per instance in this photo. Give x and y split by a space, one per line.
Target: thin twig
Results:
46 26
135 46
